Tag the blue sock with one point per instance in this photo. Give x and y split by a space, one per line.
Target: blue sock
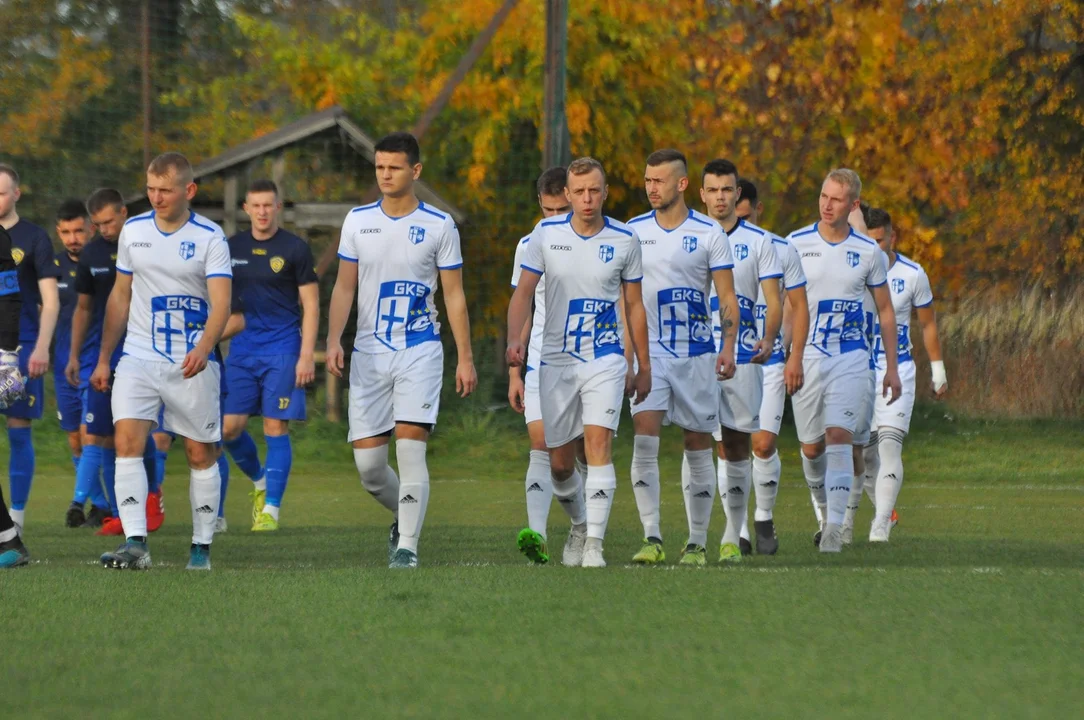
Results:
280 456
75 462
109 475
150 465
244 453
160 457
86 475
224 475
20 466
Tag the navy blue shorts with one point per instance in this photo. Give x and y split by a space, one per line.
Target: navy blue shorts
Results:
264 385
98 413
69 403
31 406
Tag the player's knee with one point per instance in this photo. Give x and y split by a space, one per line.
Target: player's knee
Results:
812 451
645 448
232 429
372 466
274 427
764 445
736 445
200 455
837 436
695 441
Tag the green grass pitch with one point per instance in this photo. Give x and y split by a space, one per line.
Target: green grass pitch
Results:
973 610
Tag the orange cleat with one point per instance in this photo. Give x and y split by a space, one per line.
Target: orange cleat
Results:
156 513
111 526
894 519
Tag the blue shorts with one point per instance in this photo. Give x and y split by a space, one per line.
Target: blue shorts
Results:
69 403
30 407
264 385
98 413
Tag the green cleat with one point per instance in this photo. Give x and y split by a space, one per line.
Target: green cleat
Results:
259 499
132 555
533 545
694 556
199 557
404 559
265 522
729 553
651 553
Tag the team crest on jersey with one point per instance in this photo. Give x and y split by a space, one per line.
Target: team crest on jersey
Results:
606 253
277 263
417 234
188 249
688 243
741 251
853 258
897 285
17 255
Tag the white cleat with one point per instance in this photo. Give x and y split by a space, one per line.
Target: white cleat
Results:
592 558
832 539
878 532
220 525
847 529
572 555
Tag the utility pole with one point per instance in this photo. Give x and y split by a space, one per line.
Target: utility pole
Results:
145 76
555 122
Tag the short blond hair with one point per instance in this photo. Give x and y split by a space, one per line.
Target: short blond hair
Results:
847 178
171 162
584 165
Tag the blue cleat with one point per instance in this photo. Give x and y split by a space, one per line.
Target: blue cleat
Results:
132 555
404 559
13 553
393 540
199 557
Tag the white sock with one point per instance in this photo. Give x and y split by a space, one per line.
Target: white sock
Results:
766 474
377 477
205 493
272 511
858 481
260 484
814 469
569 494
872 458
645 482
838 477
701 495
581 468
413 491
890 479
599 489
539 491
720 474
131 492
739 474
18 517
9 534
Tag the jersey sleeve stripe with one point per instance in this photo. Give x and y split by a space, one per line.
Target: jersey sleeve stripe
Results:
208 228
795 287
531 269
634 280
123 271
217 275
771 277
450 267
347 258
729 266
424 208
880 284
919 307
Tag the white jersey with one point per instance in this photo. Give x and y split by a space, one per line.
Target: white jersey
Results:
837 277
399 259
678 265
754 260
793 278
170 303
584 276
909 287
534 349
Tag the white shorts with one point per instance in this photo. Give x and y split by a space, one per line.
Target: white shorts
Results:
572 396
739 400
400 386
865 420
898 414
190 408
834 394
532 411
677 388
775 395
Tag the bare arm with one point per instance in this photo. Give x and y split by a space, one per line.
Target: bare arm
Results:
50 308
220 298
342 298
455 301
773 317
519 310
80 322
927 318
636 316
116 320
794 370
728 321
887 316
310 324
234 326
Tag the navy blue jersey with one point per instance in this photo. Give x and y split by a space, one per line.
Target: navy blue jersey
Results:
65 286
10 303
32 251
267 274
95 276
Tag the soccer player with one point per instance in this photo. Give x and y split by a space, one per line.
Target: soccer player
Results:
32 251
272 360
910 290
839 264
783 373
587 259
685 255
72 229
757 275
523 392
173 292
12 551
392 253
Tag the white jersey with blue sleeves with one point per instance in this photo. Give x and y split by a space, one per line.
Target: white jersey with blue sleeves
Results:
678 265
399 261
583 285
534 348
793 278
909 287
170 303
837 276
754 260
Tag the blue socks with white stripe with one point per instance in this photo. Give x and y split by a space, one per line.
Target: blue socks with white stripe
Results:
280 457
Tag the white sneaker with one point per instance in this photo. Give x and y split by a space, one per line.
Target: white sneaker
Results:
847 529
879 530
592 557
832 539
220 525
572 555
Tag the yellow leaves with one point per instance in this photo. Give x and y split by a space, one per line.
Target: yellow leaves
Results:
773 72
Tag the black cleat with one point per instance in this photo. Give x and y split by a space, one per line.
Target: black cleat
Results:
393 541
767 543
817 539
745 546
75 517
96 517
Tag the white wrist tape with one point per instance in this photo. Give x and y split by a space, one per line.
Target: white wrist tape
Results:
937 372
